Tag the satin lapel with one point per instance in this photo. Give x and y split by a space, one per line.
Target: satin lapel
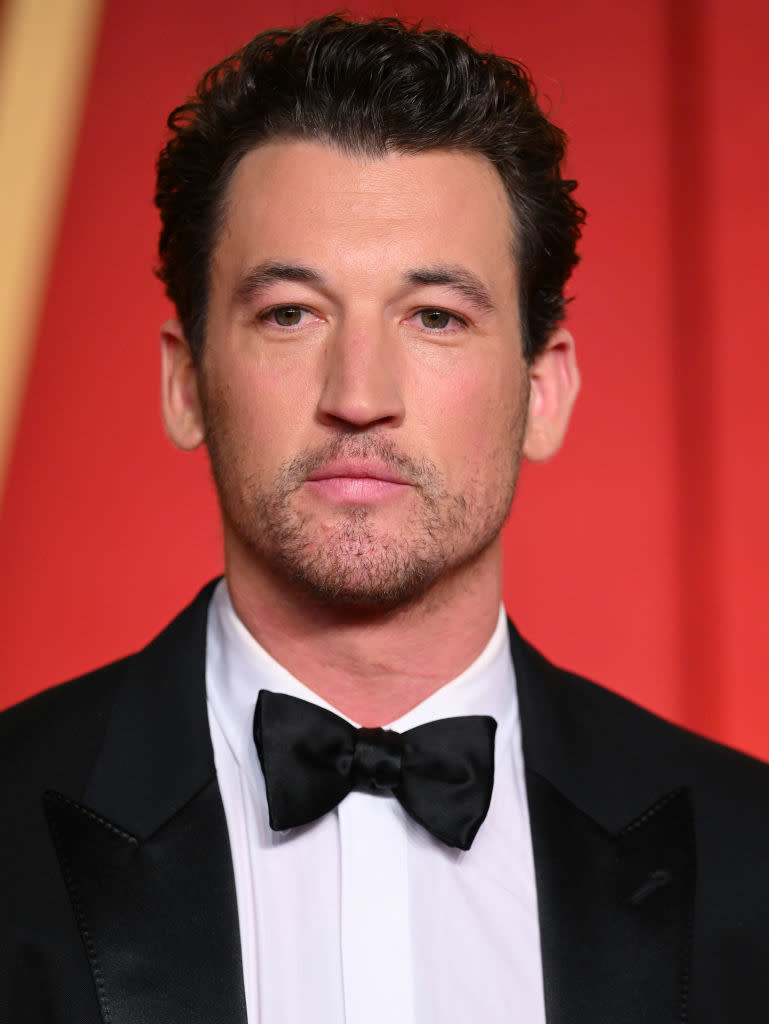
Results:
144 851
614 910
613 848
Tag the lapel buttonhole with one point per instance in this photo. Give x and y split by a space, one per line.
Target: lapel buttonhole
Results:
657 880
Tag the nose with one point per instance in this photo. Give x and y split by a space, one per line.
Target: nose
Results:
362 387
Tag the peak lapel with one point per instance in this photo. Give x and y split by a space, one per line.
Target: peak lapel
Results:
615 911
145 853
613 848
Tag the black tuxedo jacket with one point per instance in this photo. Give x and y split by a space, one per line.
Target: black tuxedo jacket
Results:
117 900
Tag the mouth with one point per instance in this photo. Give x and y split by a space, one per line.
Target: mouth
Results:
357 469
357 481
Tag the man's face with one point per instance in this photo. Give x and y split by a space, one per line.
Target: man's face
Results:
362 385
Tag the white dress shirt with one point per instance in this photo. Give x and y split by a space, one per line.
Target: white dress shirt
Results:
362 917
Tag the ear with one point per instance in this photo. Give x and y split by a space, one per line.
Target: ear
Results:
554 381
182 414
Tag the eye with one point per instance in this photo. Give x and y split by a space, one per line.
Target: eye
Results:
439 319
285 316
434 318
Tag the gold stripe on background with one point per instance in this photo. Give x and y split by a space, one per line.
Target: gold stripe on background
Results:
45 54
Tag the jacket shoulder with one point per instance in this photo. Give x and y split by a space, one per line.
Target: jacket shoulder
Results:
576 730
62 727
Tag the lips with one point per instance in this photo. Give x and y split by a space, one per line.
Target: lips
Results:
360 469
356 482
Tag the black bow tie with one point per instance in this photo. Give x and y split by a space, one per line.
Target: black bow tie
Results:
442 772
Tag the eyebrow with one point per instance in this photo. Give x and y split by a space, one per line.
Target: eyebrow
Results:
458 278
264 274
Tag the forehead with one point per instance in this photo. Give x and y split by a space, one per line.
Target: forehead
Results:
291 199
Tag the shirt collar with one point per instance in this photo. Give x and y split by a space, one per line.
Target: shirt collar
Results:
238 667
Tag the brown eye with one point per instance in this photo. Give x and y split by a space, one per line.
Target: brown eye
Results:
435 319
288 316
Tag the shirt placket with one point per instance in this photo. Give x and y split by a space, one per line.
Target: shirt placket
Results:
376 953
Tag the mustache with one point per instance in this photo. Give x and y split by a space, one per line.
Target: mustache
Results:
418 472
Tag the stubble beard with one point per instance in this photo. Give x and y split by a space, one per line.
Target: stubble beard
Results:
351 562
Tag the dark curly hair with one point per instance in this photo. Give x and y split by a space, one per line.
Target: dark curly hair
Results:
370 88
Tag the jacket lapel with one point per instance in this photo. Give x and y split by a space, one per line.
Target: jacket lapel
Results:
145 855
144 849
613 849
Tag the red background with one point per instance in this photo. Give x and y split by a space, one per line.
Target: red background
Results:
640 555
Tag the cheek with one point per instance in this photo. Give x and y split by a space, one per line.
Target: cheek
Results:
476 422
266 411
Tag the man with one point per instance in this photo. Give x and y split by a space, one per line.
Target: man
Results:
366 234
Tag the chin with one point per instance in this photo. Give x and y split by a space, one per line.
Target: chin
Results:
362 586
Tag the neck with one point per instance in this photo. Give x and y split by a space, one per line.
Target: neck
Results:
373 666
